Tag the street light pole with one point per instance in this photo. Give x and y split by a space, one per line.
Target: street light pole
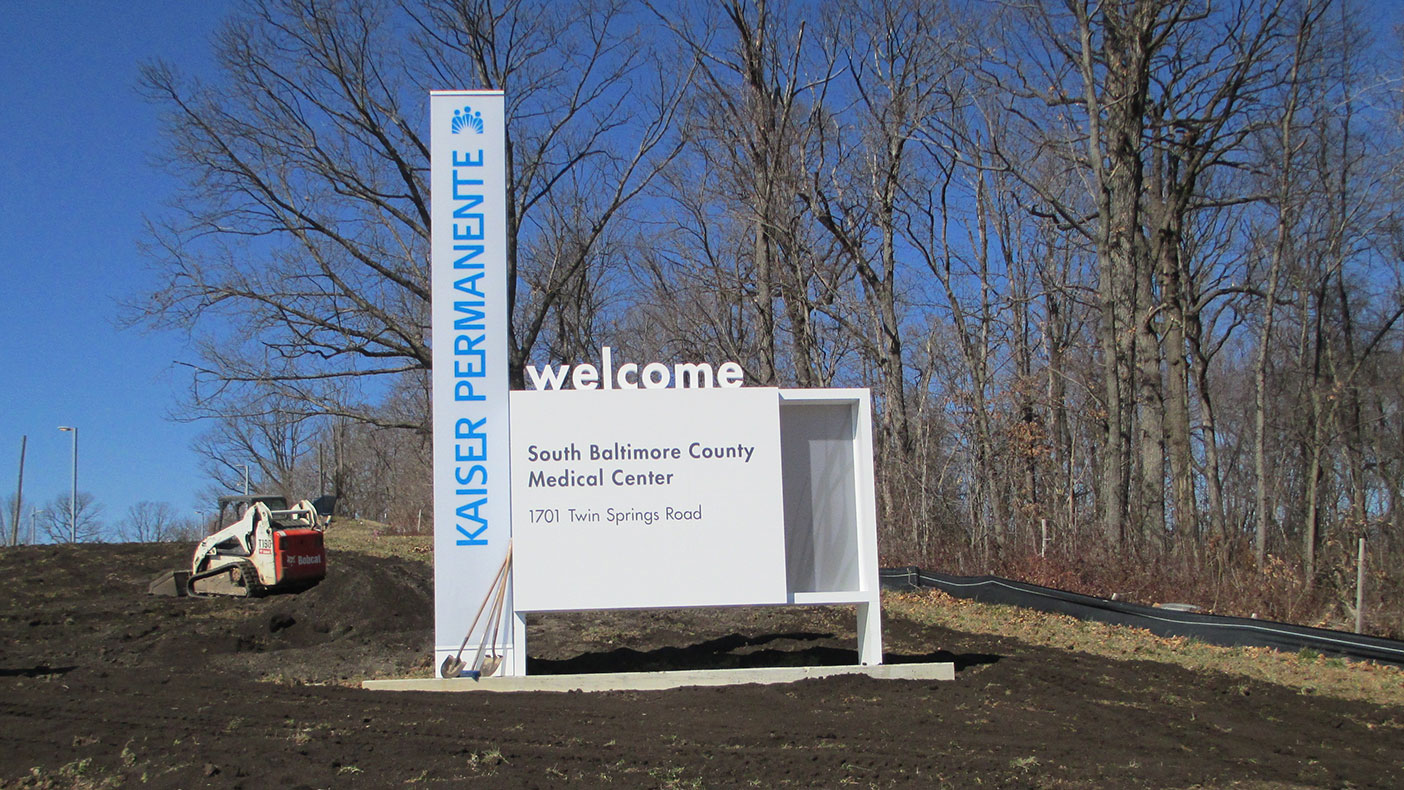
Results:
73 498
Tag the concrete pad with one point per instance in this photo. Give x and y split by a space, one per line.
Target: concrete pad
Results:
653 681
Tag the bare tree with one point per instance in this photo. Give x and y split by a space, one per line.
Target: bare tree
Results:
1145 101
298 249
10 518
591 105
82 524
298 252
1283 201
263 437
752 124
151 522
894 56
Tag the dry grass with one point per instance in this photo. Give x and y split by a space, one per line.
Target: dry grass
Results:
377 540
1307 672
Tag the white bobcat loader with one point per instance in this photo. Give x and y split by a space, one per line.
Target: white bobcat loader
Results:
267 550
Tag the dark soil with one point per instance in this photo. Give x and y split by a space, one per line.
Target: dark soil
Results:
104 686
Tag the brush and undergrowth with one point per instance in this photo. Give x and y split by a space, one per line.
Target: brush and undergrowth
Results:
1222 578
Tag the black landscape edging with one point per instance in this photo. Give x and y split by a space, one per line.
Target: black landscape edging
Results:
1214 629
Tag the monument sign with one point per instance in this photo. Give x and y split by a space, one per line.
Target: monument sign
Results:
616 483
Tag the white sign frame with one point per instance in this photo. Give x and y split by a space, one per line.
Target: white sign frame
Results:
829 510
831 506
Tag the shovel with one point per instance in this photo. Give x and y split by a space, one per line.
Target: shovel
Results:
454 666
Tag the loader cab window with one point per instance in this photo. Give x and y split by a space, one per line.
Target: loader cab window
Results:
233 508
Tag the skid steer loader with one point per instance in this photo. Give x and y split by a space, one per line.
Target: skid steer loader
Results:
267 550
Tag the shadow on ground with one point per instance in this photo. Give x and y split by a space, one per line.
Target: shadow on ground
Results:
738 651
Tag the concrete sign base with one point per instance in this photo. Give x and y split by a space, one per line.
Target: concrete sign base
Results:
657 681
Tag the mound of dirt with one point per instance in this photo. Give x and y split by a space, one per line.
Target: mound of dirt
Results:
370 617
102 685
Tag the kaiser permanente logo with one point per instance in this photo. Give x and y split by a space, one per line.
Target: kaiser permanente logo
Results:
479 425
467 119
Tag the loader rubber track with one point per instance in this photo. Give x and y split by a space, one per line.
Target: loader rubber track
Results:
247 572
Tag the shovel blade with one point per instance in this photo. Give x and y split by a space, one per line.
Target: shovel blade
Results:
452 667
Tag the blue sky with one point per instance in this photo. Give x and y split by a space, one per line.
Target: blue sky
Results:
76 181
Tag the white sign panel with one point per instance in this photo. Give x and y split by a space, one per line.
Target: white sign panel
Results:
472 512
647 498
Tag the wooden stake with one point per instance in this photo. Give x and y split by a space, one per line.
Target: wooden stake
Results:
1360 589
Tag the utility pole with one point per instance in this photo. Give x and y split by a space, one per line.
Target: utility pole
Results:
19 494
73 499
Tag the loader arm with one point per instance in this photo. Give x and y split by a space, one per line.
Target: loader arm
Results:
235 539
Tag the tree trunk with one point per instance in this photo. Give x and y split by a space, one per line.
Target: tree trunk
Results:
1178 443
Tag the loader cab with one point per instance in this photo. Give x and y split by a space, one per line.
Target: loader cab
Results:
233 508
